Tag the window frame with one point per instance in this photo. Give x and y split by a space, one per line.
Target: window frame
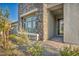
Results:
33 27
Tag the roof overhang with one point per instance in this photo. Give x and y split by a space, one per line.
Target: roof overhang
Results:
28 13
53 5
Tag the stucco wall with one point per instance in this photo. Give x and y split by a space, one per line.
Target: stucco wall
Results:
71 23
51 25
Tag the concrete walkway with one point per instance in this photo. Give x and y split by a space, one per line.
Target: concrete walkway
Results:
50 49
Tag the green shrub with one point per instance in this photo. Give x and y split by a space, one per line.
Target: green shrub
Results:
36 49
69 51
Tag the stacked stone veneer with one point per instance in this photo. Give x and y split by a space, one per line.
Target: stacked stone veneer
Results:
38 13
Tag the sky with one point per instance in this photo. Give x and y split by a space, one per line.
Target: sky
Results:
13 10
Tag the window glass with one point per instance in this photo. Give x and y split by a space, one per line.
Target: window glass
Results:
30 24
34 24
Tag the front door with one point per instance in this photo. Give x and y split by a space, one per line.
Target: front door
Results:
60 27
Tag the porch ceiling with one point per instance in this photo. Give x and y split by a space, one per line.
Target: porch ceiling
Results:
57 12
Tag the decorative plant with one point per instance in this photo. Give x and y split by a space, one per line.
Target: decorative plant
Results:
69 51
36 49
10 43
6 44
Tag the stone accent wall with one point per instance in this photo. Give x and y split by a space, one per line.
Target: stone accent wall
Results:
39 14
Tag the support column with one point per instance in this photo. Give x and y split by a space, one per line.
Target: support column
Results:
45 22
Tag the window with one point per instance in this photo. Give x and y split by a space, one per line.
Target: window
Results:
15 29
30 24
34 24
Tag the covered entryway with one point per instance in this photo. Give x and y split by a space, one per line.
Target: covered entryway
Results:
56 23
71 22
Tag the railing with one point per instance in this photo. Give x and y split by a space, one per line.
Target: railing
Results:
32 35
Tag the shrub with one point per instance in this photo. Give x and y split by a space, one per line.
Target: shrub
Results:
36 49
10 43
69 51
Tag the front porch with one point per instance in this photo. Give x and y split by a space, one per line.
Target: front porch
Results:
54 23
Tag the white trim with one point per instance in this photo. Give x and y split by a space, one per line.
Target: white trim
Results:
29 12
34 34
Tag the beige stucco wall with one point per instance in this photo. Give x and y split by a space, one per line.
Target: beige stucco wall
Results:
51 25
71 23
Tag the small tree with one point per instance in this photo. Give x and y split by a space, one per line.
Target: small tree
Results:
7 45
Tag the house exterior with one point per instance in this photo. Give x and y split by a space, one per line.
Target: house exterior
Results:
14 26
52 20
